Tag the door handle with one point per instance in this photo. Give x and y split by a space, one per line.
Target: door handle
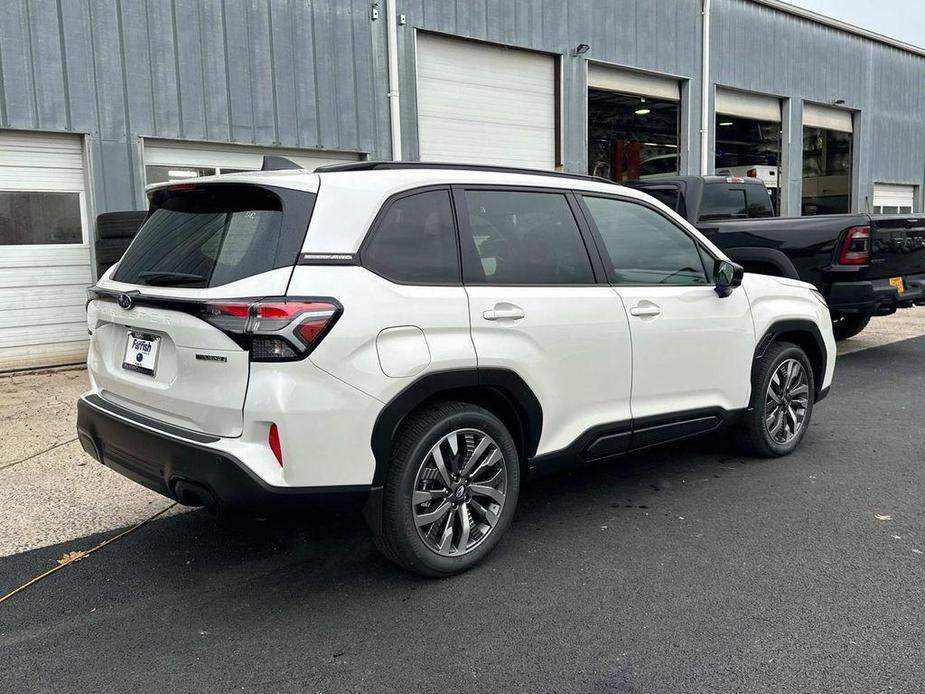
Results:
645 310
504 312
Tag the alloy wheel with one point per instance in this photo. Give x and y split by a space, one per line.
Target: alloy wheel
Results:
786 401
459 492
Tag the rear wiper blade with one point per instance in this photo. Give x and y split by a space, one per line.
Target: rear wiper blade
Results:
164 278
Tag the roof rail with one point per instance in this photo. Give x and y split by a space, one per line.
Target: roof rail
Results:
275 163
398 165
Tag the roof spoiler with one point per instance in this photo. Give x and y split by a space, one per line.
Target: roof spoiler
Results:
274 163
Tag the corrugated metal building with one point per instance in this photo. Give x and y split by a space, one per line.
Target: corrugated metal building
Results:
100 97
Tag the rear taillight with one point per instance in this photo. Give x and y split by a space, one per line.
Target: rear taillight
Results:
855 249
274 329
273 442
752 173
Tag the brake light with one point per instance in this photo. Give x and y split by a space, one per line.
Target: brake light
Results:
752 173
855 249
273 441
275 329
735 179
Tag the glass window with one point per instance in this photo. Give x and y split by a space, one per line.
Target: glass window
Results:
162 174
826 171
645 247
748 147
709 262
210 236
671 197
721 202
632 137
525 238
28 218
415 242
759 202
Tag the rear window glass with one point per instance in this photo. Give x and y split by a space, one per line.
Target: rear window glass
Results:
215 234
720 202
670 197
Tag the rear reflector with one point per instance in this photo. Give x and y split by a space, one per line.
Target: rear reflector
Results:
273 441
855 249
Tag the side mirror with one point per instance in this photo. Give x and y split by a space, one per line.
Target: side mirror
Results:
727 275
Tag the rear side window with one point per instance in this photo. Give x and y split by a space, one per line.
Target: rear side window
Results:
415 241
520 237
720 202
643 246
211 235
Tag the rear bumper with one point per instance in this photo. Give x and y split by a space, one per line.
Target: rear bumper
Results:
170 462
876 297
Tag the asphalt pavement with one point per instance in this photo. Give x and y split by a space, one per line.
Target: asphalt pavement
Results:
686 569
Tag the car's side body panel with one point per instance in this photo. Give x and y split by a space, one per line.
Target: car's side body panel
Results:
580 374
695 353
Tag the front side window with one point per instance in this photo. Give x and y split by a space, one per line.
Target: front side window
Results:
415 241
643 246
524 238
30 218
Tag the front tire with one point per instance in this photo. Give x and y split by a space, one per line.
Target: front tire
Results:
783 391
845 325
451 489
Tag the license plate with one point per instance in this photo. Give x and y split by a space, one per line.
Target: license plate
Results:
141 353
898 283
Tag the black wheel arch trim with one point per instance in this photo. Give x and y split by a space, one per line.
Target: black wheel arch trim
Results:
797 325
764 255
502 382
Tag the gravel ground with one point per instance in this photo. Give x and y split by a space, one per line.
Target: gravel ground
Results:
51 492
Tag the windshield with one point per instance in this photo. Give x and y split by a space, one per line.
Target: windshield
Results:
210 235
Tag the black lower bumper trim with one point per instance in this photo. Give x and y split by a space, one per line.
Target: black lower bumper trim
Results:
193 473
876 297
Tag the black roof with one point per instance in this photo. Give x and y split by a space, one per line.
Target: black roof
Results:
693 178
398 165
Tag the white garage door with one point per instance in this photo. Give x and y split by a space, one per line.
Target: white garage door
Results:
171 159
44 250
748 105
630 82
893 199
816 116
483 104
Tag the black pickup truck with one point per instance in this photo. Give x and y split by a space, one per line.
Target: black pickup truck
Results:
865 265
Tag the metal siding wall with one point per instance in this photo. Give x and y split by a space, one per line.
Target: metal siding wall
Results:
312 73
761 49
291 73
655 35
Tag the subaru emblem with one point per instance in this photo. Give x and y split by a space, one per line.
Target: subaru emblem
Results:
125 301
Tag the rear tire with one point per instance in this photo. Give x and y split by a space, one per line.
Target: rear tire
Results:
450 491
783 392
848 325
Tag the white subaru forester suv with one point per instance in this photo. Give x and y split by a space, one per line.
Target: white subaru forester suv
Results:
420 338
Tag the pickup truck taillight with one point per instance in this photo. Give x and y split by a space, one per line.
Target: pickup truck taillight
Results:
275 330
855 249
